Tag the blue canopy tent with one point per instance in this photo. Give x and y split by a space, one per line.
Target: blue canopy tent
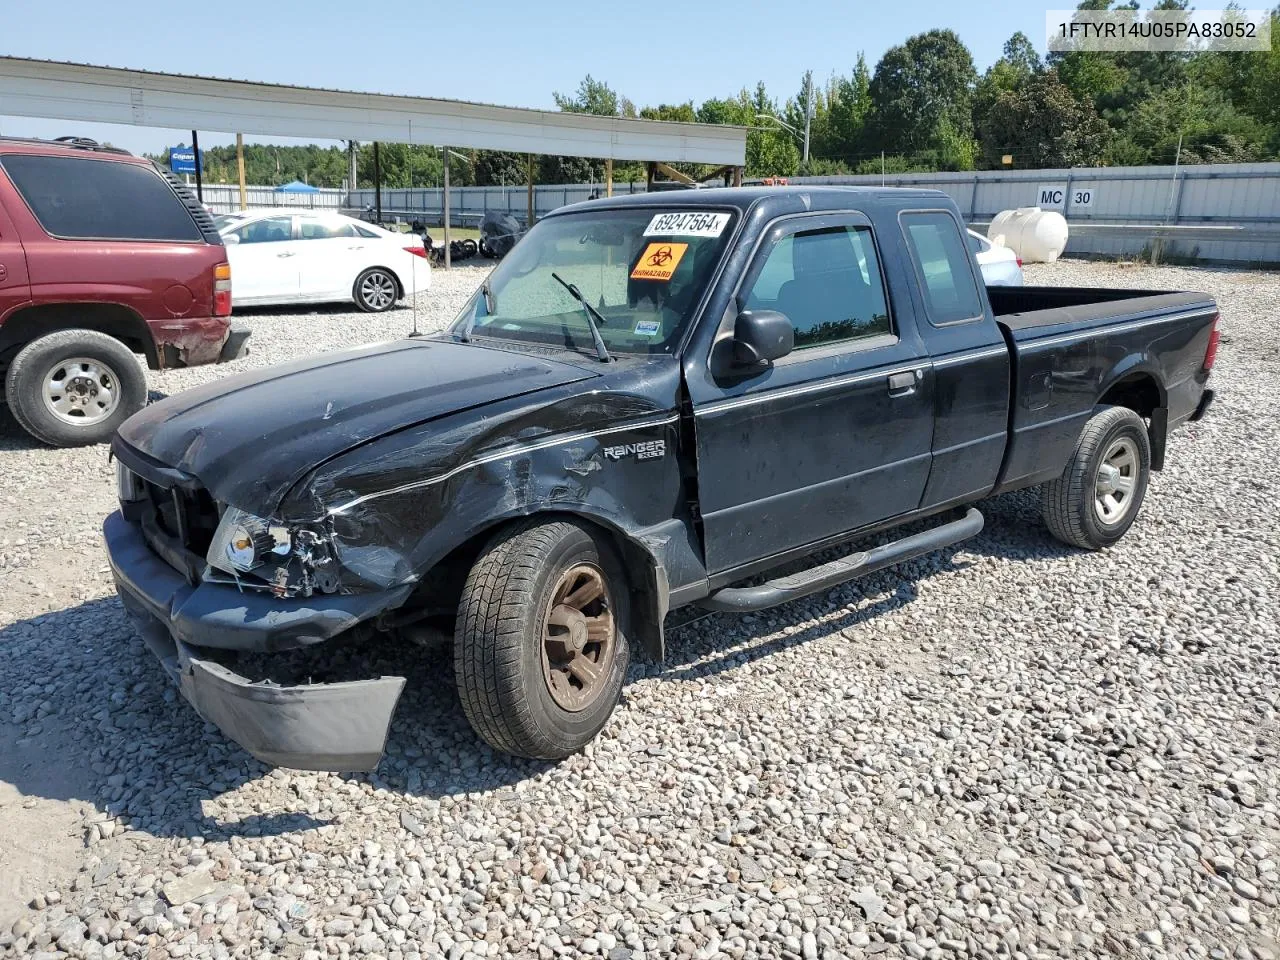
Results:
296 186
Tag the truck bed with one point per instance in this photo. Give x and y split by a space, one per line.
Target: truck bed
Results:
1069 345
1037 310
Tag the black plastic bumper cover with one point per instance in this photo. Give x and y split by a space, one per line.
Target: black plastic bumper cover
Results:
1202 407
236 345
323 726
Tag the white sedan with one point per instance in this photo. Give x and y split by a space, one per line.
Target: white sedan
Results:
292 256
1001 267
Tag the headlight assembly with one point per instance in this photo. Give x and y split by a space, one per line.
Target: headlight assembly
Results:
289 560
244 542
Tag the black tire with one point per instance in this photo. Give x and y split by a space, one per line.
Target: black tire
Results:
115 370
498 644
376 290
1070 503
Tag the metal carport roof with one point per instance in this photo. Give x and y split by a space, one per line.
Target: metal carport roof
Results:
94 94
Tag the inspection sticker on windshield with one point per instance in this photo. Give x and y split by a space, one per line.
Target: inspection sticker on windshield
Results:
647 328
659 261
690 224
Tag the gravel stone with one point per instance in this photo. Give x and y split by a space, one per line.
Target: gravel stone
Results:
1007 749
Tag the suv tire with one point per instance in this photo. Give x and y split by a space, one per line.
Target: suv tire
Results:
104 386
540 651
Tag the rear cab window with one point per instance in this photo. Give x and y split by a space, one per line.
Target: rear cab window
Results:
76 198
943 267
827 282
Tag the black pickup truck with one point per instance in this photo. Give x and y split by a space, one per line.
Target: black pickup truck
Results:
649 401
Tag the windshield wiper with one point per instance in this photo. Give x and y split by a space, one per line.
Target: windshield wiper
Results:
595 319
488 305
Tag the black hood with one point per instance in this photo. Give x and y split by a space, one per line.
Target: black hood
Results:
250 437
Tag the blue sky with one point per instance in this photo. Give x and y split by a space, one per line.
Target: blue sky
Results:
499 51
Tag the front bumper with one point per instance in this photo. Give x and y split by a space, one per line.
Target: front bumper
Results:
318 726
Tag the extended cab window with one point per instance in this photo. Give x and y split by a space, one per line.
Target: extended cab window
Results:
827 283
82 199
950 293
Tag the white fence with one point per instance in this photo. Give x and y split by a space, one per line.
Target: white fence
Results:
1225 213
225 198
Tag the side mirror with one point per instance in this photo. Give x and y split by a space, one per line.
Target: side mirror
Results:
229 239
761 336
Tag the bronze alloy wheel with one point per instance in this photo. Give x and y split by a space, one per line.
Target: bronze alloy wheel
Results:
578 638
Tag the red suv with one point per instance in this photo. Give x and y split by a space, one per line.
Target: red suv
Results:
102 256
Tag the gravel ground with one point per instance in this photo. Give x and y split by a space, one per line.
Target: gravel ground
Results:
1008 749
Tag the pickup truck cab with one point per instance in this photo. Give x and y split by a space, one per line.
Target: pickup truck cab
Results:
651 399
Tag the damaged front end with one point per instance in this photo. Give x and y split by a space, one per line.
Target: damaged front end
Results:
204 631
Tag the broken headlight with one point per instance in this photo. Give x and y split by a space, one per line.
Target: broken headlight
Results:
244 542
289 559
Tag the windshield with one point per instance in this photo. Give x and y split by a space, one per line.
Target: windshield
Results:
643 270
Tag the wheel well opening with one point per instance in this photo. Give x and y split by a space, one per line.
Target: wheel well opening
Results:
438 593
112 319
1139 392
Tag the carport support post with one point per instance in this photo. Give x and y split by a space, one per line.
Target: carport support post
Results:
608 176
447 256
244 203
529 172
377 184
195 149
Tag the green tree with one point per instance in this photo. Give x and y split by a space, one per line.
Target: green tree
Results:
923 91
593 96
1211 130
1041 123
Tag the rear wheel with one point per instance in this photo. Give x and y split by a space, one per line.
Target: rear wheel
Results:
74 387
1097 498
541 650
376 290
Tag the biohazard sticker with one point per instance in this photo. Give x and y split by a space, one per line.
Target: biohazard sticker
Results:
687 224
659 261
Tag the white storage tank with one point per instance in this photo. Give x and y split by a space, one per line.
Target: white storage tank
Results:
1035 235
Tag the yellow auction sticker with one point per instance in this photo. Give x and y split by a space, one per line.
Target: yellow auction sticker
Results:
659 261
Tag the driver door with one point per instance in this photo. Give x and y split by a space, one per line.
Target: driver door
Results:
830 438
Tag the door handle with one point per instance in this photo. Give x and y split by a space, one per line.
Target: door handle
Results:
360 247
902 384
283 255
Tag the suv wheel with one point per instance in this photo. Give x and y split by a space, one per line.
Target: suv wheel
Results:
74 387
376 290
541 651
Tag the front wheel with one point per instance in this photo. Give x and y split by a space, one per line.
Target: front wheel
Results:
74 387
1097 498
375 290
540 651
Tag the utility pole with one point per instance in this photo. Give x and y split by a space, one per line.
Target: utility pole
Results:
808 111
244 203
351 167
447 254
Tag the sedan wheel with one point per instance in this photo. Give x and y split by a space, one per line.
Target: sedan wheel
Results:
376 290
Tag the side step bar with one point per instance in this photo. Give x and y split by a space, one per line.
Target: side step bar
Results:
802 584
